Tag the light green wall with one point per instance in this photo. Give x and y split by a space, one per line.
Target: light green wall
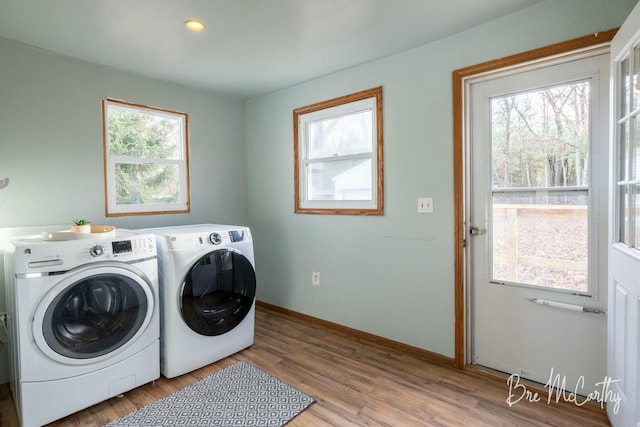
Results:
51 145
51 141
392 275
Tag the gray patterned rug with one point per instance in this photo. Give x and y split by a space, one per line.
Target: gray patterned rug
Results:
240 395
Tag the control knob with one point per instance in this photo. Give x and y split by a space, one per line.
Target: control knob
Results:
215 238
96 250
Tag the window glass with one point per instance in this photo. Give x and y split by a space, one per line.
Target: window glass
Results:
540 187
349 134
338 162
146 168
340 180
633 79
625 87
628 151
636 203
624 151
624 215
634 172
140 183
541 138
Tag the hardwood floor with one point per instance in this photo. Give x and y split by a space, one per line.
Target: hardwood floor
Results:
356 381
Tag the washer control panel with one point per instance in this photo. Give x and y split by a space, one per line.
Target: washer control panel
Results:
213 237
35 255
130 247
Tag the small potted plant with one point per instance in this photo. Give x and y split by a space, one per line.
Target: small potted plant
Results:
81 226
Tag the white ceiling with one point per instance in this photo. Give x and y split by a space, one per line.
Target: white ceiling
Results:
249 47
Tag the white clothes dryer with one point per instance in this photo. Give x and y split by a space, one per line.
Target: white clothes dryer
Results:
83 321
207 294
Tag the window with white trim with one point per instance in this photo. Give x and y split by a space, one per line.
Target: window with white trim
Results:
338 155
145 159
628 166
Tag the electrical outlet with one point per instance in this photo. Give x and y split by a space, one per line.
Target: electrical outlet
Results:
315 278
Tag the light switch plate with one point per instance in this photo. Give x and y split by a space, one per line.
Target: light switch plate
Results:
425 205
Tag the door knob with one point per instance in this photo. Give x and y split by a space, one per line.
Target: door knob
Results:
476 231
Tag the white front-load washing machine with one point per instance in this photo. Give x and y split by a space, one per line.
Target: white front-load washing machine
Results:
83 320
207 294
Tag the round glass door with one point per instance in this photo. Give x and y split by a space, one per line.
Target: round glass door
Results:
218 292
95 315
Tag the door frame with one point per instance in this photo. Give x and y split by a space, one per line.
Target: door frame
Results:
460 79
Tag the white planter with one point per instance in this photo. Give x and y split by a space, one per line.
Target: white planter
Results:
86 228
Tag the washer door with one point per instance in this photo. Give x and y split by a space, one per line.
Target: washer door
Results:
94 313
218 292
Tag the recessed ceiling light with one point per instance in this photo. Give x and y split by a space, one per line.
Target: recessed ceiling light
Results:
194 25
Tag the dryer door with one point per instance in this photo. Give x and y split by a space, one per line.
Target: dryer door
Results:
218 292
94 313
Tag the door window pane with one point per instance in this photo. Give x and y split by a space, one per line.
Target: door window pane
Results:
625 87
540 176
635 83
541 138
636 210
634 172
628 152
541 238
624 214
624 150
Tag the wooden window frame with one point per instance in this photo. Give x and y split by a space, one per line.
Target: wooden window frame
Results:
111 208
378 198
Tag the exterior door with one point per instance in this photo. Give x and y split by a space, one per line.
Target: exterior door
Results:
218 292
538 191
624 252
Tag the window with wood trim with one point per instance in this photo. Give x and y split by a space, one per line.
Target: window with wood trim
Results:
338 155
145 160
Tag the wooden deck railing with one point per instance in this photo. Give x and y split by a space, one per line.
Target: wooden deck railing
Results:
514 214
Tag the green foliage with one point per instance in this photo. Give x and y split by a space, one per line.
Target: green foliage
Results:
80 222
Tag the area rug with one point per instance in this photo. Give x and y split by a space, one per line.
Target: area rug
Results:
240 395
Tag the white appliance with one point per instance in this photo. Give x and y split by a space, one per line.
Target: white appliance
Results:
207 294
83 321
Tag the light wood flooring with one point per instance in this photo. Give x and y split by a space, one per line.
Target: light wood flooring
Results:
356 379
